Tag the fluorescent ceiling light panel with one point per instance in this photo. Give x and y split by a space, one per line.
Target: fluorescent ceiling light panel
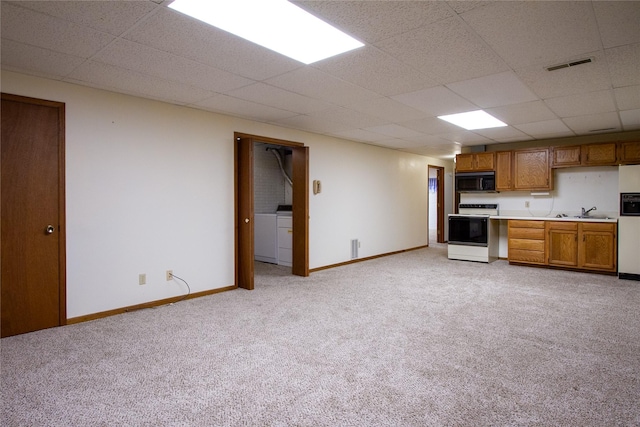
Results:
275 24
473 120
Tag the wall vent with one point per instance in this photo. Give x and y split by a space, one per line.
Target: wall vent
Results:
354 248
570 64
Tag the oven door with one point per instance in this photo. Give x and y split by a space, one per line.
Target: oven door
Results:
468 230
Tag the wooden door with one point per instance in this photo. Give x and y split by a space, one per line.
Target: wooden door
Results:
244 213
562 243
566 156
464 163
597 246
33 243
503 171
485 161
300 178
600 154
532 169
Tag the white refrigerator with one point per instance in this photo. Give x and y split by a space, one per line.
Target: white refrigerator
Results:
629 227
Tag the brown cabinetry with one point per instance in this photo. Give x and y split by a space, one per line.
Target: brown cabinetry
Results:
504 171
526 242
629 152
566 156
475 162
579 245
531 170
600 154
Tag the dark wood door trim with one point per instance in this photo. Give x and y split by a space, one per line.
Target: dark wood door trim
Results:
300 211
61 226
441 238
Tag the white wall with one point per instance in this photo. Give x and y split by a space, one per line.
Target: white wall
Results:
149 187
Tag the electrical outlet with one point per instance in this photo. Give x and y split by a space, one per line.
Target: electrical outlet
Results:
169 275
142 279
526 204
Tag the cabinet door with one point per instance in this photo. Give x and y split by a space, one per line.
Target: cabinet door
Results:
599 154
464 163
597 247
629 152
503 171
485 161
565 156
562 243
531 169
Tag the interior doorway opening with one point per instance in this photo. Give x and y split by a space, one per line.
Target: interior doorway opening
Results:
436 229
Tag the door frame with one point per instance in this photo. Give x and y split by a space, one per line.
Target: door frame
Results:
440 202
243 194
62 225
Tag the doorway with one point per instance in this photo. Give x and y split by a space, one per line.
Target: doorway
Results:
33 222
245 212
436 204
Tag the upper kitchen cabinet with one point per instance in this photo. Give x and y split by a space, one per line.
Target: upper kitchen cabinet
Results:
565 156
471 162
532 170
629 152
504 171
604 154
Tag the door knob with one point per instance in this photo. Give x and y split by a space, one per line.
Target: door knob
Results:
49 230
246 220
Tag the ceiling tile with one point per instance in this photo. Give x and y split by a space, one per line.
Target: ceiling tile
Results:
375 70
524 33
323 86
522 113
582 104
241 108
371 21
394 130
627 98
126 81
502 134
594 123
494 90
312 124
279 98
618 22
113 17
466 5
34 60
176 33
359 135
630 119
348 117
36 29
543 129
387 108
143 59
436 101
568 81
465 137
624 65
430 126
446 50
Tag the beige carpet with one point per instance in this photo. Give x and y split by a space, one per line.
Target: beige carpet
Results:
407 340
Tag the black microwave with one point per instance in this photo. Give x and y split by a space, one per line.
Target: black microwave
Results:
630 204
474 182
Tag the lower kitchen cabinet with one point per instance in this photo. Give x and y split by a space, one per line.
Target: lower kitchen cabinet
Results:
589 246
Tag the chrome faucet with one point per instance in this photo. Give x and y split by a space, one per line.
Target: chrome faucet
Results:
586 213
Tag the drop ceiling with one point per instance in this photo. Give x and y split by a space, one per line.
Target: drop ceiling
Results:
421 59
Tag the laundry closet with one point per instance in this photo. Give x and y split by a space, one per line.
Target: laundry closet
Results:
272 201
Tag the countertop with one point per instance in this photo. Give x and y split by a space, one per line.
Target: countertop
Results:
544 218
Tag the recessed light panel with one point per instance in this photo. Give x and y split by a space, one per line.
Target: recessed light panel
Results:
275 24
473 120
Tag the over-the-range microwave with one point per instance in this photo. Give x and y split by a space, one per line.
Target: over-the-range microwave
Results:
476 182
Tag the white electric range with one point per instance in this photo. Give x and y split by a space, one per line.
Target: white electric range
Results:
473 236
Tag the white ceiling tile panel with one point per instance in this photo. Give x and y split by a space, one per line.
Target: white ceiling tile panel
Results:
34 60
618 22
502 134
568 81
314 83
373 69
387 108
394 130
526 112
311 124
370 21
36 29
392 143
359 135
494 90
173 32
466 5
143 59
262 93
241 108
436 101
446 50
594 123
430 126
630 119
465 137
547 127
624 65
524 33
348 117
627 98
120 80
113 17
582 104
